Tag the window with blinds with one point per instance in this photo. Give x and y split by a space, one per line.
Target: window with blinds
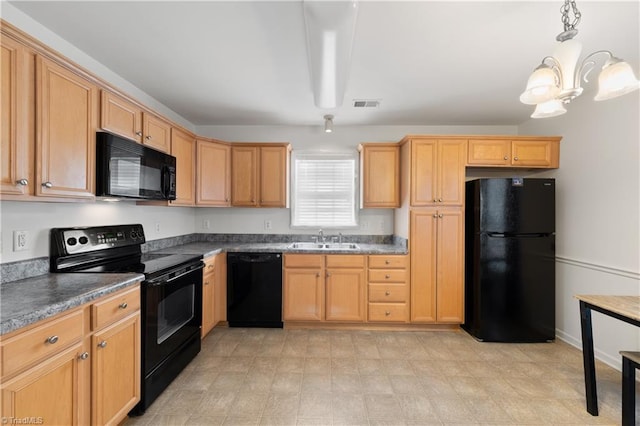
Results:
323 190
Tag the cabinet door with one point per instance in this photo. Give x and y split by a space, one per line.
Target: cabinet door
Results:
452 156
450 266
244 176
214 174
532 153
120 116
183 147
66 116
115 371
303 295
49 392
423 250
273 176
208 295
220 289
423 172
156 132
345 294
380 176
488 152
17 97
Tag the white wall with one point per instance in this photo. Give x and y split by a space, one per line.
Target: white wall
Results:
598 214
38 218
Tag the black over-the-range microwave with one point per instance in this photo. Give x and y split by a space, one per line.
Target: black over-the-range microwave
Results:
127 169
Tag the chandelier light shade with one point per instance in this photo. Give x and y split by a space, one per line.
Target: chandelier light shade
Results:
328 123
557 80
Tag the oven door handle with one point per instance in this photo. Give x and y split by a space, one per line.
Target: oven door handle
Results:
161 280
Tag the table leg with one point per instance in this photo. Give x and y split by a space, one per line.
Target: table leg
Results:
588 359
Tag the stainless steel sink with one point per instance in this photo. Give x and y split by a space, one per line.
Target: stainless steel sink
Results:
324 246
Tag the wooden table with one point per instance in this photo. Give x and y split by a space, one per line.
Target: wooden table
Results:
624 308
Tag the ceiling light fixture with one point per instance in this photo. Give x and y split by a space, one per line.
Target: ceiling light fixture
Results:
557 80
330 28
328 123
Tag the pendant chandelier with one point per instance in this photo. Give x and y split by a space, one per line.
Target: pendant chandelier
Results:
557 80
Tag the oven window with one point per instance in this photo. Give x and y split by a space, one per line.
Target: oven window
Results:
174 311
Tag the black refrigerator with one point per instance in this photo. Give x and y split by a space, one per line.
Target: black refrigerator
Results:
510 260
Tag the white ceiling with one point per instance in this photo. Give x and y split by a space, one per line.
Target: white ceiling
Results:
245 62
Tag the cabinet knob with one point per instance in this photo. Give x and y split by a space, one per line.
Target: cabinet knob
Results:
47 185
328 274
206 283
386 262
83 355
435 200
435 215
22 182
387 276
210 266
139 133
317 274
102 344
515 158
386 293
506 158
387 313
123 305
440 215
51 340
148 137
439 200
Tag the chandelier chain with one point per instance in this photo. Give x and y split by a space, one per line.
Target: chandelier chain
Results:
570 6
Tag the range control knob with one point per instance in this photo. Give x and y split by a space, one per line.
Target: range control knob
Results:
83 240
72 241
133 235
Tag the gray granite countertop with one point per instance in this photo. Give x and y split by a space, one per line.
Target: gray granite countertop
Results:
207 249
27 301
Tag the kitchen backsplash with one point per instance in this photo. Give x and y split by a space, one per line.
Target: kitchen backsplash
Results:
13 271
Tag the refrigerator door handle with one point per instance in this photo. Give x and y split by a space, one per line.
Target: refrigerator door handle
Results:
508 235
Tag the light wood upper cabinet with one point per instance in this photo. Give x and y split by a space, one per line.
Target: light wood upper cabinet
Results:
437 259
529 152
437 171
259 175
273 176
17 111
125 118
213 173
66 123
183 147
380 172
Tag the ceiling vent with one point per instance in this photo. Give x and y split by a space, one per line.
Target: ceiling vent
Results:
366 103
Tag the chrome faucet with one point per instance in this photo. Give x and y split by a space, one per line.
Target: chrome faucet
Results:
321 238
340 238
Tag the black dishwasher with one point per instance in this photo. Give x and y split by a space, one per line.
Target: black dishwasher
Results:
254 290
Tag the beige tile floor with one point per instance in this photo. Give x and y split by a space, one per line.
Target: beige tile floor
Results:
334 377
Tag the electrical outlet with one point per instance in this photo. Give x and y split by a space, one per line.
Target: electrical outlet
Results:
206 224
157 227
267 225
19 240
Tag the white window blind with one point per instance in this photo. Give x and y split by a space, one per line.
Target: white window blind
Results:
324 190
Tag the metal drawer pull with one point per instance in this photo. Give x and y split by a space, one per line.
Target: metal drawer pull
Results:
123 305
387 276
139 133
506 158
386 262
22 182
47 185
387 313
83 355
387 293
148 137
51 340
515 158
102 344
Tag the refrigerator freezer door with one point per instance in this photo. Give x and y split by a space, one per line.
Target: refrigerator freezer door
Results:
512 295
517 206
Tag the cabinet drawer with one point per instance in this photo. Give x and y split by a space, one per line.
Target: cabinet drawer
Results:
41 342
388 312
390 261
388 275
303 260
113 308
345 261
387 293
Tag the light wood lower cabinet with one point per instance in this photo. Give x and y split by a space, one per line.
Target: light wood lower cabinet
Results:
437 271
324 288
214 292
71 370
388 288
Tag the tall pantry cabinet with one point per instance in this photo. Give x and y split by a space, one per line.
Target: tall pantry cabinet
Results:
433 175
